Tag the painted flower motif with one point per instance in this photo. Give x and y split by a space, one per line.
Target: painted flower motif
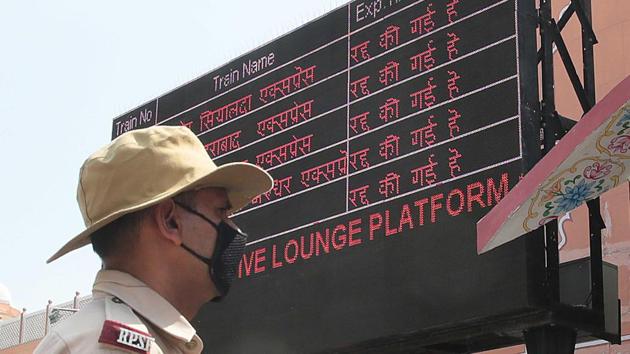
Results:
549 194
625 119
574 196
597 170
620 144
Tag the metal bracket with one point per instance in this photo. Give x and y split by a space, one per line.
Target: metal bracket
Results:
568 65
584 21
566 16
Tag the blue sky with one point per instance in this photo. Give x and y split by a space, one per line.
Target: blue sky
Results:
67 68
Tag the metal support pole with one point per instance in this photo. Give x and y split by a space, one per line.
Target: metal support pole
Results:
561 23
21 334
588 39
553 262
551 132
584 16
570 68
596 223
47 324
548 99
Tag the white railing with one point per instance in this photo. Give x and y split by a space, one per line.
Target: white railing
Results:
33 326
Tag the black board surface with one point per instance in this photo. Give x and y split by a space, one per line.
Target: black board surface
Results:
390 127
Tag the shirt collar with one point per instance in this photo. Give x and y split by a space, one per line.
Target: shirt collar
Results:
145 301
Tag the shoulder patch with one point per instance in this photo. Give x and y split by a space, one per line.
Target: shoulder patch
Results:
122 336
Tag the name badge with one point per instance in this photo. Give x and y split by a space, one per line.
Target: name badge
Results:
122 336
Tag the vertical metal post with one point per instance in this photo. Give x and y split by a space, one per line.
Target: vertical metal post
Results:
21 334
553 262
595 226
596 223
548 99
47 324
550 126
587 55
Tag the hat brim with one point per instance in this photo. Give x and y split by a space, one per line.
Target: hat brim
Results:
242 181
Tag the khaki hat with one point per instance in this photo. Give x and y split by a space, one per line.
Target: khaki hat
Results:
146 166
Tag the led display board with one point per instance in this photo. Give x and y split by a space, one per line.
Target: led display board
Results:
390 127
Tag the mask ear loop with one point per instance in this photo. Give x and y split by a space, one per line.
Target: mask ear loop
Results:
206 260
221 244
193 211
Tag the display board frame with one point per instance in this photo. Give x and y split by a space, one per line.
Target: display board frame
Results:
376 285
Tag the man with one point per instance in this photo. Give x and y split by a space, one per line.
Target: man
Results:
157 211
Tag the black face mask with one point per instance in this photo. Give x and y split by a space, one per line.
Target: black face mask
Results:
228 251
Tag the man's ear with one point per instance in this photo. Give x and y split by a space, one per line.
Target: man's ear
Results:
168 221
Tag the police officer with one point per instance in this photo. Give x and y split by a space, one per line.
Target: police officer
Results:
157 212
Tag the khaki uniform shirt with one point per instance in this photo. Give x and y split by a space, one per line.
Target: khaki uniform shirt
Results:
125 316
